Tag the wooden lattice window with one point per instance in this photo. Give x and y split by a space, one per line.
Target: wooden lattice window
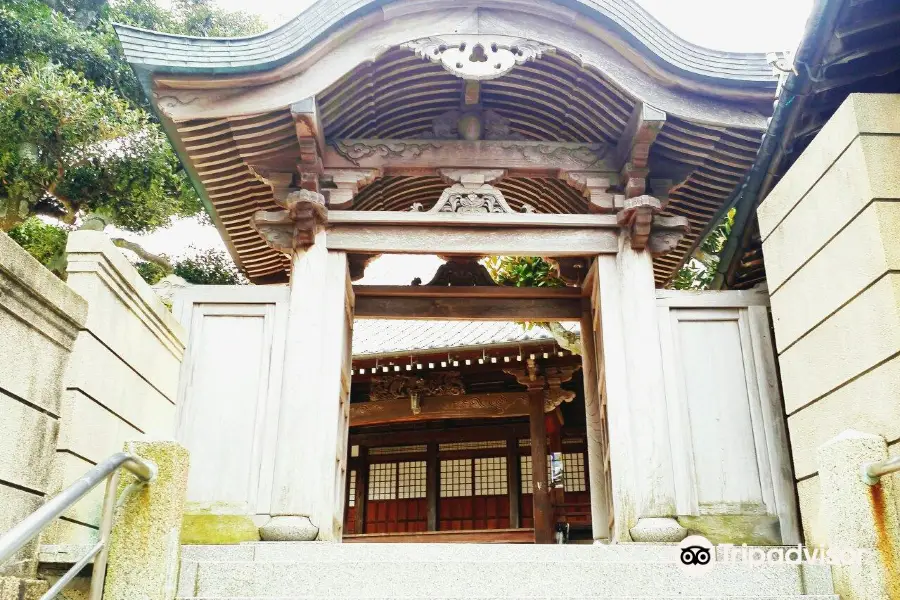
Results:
411 480
351 489
573 477
383 481
456 478
490 476
392 481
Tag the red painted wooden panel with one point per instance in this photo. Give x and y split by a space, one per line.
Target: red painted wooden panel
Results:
396 516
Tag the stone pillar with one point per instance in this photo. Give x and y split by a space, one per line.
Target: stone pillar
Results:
145 542
313 422
860 517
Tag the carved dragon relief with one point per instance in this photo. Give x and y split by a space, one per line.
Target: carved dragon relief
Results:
357 151
415 388
478 57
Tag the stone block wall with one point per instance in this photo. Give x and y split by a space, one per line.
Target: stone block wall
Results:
831 241
39 321
121 383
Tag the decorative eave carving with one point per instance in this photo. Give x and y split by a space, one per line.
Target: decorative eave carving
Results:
472 193
295 227
549 381
477 57
446 383
486 154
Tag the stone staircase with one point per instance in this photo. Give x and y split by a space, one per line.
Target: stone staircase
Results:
312 570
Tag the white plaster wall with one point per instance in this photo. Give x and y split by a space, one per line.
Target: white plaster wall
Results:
122 381
831 241
39 320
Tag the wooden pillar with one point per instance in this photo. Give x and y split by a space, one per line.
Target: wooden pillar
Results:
640 451
313 421
432 472
554 444
594 427
362 489
514 482
646 382
543 512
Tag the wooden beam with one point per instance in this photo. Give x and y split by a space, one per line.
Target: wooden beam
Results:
485 235
389 155
482 433
492 221
467 406
468 309
643 126
475 291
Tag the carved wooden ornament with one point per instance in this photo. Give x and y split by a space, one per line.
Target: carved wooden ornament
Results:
295 227
477 57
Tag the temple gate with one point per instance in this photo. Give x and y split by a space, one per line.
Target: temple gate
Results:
516 129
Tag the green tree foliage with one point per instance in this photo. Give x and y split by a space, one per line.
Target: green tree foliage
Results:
533 271
523 271
75 133
43 241
187 17
68 148
151 272
209 267
700 270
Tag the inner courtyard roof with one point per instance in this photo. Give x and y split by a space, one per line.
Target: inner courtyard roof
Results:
227 104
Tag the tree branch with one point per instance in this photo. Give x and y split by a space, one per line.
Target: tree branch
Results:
568 340
162 261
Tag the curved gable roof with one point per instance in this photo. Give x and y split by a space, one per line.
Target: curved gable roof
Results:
168 53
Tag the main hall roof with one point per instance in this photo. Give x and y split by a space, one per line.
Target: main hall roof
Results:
227 103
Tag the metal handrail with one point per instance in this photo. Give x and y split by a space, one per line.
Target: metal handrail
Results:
16 538
873 471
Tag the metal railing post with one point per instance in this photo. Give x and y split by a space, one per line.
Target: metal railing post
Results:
110 470
872 472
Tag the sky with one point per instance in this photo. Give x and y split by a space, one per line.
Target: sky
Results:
731 25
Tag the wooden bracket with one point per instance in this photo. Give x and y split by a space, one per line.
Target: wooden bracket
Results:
346 182
296 226
596 186
637 218
311 139
633 150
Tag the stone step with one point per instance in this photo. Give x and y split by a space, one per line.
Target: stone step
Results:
705 597
371 579
317 552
